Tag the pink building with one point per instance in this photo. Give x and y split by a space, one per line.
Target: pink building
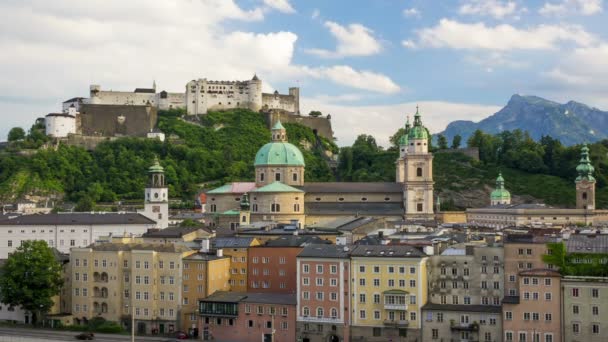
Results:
248 317
323 311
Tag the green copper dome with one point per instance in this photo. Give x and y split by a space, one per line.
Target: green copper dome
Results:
500 193
403 140
585 169
418 131
279 153
156 168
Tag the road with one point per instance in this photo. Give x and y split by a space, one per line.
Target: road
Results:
18 334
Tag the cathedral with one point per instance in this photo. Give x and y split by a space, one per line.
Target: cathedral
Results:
280 193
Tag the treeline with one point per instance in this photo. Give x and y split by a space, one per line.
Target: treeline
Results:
219 149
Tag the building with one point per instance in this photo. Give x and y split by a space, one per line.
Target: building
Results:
179 235
389 288
280 193
532 303
501 213
585 306
323 291
156 196
248 317
272 266
237 248
66 230
204 273
116 280
60 125
466 285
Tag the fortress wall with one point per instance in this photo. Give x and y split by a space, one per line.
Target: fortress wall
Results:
278 101
321 125
114 120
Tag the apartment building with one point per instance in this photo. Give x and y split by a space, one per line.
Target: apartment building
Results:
203 274
248 317
585 308
465 294
389 288
116 280
323 290
237 248
272 266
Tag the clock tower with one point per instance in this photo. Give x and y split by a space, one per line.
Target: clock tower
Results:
156 204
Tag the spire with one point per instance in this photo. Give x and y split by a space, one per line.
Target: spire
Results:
500 182
585 169
278 132
407 124
417 117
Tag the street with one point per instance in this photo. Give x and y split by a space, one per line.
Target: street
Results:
19 334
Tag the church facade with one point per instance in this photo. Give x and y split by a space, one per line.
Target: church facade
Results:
280 193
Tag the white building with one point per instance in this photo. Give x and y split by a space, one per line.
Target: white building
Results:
66 230
60 125
156 133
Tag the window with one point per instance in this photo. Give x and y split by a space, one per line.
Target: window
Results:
320 271
548 317
576 328
275 208
595 328
508 316
595 293
439 317
435 334
508 336
362 282
376 298
548 281
595 310
575 292
419 207
362 298
362 314
412 283
333 269
575 309
419 172
548 296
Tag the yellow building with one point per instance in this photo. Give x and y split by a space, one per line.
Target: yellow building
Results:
388 290
203 274
116 280
237 249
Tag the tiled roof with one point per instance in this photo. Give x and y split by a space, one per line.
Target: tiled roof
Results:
294 241
114 247
582 243
172 232
325 251
250 297
540 272
78 219
277 187
233 188
353 187
386 251
232 242
204 257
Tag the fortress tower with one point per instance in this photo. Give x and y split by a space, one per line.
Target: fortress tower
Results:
415 171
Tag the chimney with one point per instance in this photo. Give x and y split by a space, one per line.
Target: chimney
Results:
204 246
219 252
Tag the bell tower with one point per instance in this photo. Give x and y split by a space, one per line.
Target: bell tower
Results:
585 182
156 204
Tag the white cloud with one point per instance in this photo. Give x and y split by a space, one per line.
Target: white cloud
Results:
280 5
584 7
353 40
408 43
411 12
456 35
315 13
382 121
495 8
69 45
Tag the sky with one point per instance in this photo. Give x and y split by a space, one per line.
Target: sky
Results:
367 63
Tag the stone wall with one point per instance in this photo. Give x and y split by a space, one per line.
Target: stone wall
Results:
87 142
320 125
115 120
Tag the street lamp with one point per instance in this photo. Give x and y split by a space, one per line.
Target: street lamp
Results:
132 321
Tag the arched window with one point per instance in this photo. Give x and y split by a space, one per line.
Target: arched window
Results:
306 311
419 172
334 313
319 312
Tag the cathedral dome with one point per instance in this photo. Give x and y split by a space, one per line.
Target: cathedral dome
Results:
279 153
500 194
418 131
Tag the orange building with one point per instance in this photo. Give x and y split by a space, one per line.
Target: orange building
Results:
272 267
203 275
237 248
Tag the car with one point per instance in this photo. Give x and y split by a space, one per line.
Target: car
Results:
180 335
85 336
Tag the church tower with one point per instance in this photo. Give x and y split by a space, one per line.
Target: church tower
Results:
415 171
156 205
585 182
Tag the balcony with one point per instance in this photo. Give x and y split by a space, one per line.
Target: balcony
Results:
464 326
396 307
396 323
316 319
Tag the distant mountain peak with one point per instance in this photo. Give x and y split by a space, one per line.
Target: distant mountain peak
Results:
571 123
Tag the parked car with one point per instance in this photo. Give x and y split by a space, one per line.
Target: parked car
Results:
180 335
85 336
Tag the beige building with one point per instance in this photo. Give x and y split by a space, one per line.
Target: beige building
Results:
585 308
115 280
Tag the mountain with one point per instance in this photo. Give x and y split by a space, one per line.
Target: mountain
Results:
572 123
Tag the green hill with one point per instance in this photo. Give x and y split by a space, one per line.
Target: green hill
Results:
220 148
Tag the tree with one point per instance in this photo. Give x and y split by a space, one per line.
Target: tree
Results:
315 113
456 141
442 142
190 223
31 277
16 133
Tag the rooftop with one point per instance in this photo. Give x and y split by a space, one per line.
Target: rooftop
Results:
99 218
325 251
232 242
233 188
353 208
249 297
386 251
295 241
115 247
353 187
204 257
277 187
583 243
540 272
172 232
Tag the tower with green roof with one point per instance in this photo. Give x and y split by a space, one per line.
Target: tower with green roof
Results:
156 204
414 168
279 161
500 195
585 182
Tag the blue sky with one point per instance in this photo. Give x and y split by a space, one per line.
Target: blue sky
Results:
368 63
